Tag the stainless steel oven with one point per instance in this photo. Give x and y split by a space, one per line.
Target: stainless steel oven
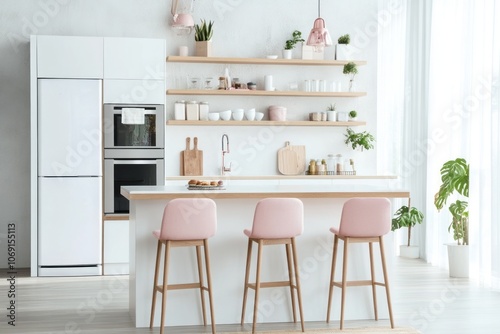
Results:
129 126
128 172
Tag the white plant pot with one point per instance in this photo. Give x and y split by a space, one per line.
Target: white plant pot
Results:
410 252
458 260
352 119
287 54
344 52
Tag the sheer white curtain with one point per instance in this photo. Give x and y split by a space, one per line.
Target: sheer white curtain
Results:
463 110
439 99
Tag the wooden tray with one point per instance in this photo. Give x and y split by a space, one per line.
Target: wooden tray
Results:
206 188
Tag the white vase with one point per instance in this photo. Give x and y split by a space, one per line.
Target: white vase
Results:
343 52
287 54
458 260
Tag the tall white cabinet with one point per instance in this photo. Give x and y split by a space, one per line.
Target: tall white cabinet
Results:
132 70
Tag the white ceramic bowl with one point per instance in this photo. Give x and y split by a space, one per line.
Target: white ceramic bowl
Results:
238 114
225 115
250 114
272 57
259 116
213 116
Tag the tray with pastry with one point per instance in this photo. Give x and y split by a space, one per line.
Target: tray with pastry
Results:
206 185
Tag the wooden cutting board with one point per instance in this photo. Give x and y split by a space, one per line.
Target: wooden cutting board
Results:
192 159
292 159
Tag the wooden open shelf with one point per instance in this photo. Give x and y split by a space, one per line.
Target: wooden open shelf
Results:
245 92
261 61
264 123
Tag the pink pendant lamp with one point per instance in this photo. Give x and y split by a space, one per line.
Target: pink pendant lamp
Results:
319 36
183 22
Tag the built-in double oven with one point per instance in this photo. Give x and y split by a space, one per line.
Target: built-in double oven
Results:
133 151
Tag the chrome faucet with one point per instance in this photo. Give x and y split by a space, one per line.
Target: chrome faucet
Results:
225 149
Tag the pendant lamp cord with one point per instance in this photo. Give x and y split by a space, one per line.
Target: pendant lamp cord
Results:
319 8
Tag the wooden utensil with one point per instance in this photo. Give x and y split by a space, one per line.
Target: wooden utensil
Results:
291 159
193 159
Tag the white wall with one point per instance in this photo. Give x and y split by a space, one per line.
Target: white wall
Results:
242 29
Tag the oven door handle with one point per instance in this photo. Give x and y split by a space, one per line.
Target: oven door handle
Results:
134 162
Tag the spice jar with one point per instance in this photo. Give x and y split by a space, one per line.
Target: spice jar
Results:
251 85
236 83
222 83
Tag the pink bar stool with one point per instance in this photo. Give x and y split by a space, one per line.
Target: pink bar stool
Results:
363 220
277 221
186 222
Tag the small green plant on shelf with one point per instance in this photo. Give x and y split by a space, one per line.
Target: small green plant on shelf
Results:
203 31
296 38
353 114
350 69
455 178
362 140
407 217
331 107
344 39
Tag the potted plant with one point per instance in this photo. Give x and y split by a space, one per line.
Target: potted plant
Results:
290 44
203 37
361 140
352 115
351 70
331 114
407 217
455 181
343 49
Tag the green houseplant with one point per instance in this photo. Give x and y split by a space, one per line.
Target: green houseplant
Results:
455 182
203 33
352 115
344 39
350 69
362 140
409 218
343 50
290 44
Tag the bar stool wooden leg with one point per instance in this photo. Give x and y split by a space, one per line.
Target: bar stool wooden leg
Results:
297 283
155 284
290 278
247 276
372 272
344 281
386 281
200 278
165 284
209 284
257 285
332 276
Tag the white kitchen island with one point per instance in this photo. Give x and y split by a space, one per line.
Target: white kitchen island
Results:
235 208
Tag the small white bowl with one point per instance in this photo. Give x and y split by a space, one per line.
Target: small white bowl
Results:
238 114
213 116
259 116
272 57
225 115
250 114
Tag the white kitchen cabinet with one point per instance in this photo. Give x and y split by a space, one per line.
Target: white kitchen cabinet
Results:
69 57
134 91
116 247
134 58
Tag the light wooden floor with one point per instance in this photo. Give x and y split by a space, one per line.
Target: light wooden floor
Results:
424 297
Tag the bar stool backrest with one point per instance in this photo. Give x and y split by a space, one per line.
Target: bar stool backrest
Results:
276 218
365 217
189 219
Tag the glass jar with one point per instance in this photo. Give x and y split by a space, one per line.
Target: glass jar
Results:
222 83
180 110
